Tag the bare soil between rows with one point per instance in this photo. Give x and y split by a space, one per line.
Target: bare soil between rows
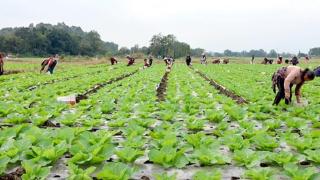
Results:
238 99
162 88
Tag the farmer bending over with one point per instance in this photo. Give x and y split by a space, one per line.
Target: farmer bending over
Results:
295 60
317 71
166 60
188 60
1 63
130 60
51 62
252 59
113 60
285 78
146 64
203 59
279 61
150 58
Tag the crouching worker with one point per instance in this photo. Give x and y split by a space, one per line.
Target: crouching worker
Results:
113 61
130 60
51 62
285 78
146 64
1 64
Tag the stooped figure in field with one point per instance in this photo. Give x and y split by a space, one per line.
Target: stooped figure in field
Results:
146 63
51 63
279 60
226 61
216 61
150 59
166 60
188 60
295 61
285 78
267 61
203 59
287 61
113 61
1 63
252 59
130 60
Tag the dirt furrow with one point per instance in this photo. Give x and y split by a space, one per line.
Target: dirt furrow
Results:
96 87
33 87
222 89
162 88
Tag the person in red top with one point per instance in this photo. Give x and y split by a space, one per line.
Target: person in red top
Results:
1 63
130 60
113 60
45 63
146 64
51 62
279 61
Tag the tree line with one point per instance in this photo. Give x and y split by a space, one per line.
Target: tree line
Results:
46 39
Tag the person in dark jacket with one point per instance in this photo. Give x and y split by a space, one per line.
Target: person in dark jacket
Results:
44 63
1 63
113 60
150 58
295 61
188 60
130 60
252 59
52 64
285 78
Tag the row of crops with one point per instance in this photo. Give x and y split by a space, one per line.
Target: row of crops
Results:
123 131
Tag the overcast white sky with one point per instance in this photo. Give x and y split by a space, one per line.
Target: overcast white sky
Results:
216 25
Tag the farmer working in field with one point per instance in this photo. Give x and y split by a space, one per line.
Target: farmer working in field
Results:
166 60
252 59
285 78
1 63
150 58
51 62
203 59
146 64
113 60
45 63
188 60
279 61
130 60
295 60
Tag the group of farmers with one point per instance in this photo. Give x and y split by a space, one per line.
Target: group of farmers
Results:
283 79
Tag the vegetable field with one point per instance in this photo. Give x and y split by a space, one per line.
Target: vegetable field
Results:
134 123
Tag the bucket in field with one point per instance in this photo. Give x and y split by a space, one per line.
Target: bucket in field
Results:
71 99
